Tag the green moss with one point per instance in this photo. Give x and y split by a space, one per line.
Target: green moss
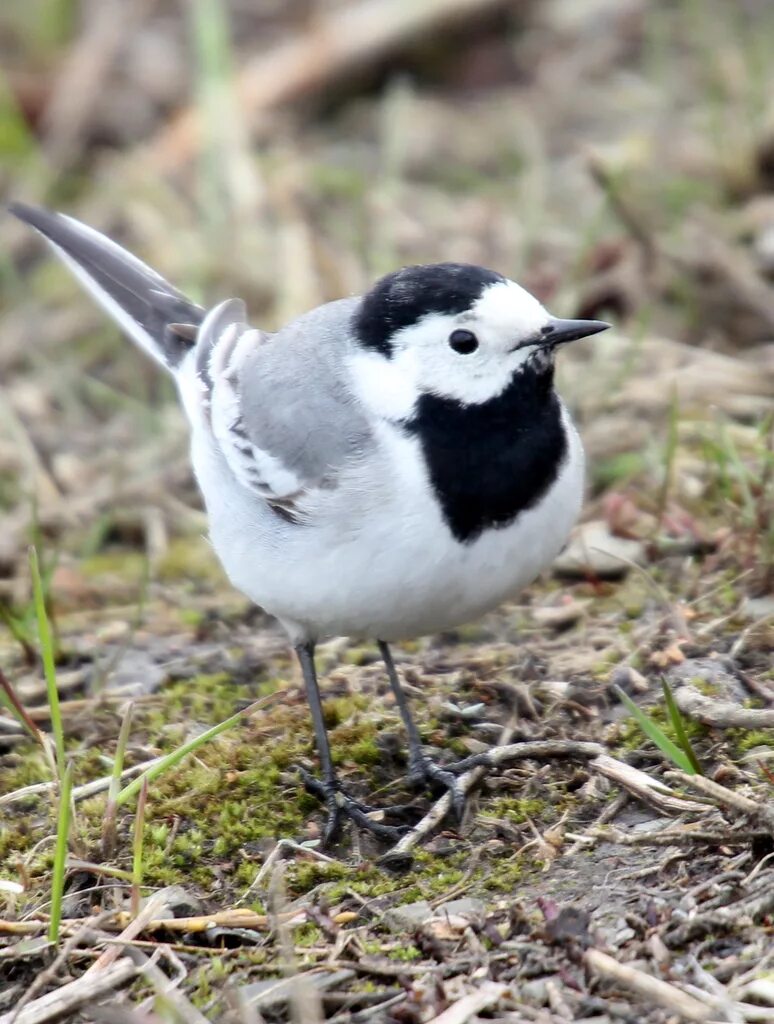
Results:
338 710
302 876
405 954
705 686
308 935
518 809
365 751
745 740
506 875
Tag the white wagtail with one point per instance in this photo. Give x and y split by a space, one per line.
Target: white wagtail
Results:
384 467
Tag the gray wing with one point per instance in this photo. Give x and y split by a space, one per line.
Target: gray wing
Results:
281 405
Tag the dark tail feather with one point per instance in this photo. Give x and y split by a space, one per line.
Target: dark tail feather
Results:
154 314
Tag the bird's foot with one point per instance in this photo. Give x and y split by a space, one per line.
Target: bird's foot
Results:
423 771
340 805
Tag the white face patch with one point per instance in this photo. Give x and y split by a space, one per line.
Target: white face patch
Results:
423 361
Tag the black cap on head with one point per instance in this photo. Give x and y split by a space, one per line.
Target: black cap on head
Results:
402 298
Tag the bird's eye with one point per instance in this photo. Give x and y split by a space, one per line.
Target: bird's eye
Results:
463 341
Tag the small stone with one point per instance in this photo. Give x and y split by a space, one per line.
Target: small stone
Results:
595 551
629 680
467 907
711 673
275 992
534 992
408 917
560 616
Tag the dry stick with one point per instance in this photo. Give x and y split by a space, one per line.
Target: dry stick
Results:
493 758
43 484
471 1004
609 813
144 923
755 907
268 865
721 714
79 792
67 998
166 988
671 837
156 904
645 788
338 44
24 718
652 989
760 811
41 981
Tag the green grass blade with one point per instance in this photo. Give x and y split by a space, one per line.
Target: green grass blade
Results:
47 654
656 734
176 756
109 821
60 852
118 761
678 725
137 846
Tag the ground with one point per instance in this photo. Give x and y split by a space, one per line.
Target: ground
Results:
591 880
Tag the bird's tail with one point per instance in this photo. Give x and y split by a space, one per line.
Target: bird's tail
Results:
155 315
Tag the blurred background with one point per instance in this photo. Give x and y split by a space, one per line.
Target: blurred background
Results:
614 156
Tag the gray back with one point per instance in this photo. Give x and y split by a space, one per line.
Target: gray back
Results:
295 398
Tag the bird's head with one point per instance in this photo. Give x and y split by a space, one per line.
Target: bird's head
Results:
456 331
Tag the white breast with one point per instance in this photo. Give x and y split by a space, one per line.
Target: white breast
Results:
376 558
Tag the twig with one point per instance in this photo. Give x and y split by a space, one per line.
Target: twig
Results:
674 836
156 904
145 922
268 865
471 1004
494 758
79 792
183 1009
733 267
757 810
651 989
62 1001
623 209
611 811
645 788
755 907
721 714
41 980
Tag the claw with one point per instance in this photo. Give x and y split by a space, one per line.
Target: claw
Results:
340 805
424 771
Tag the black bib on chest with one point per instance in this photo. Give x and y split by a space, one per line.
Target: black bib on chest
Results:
489 462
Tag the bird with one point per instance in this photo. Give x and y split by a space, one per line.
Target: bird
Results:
383 467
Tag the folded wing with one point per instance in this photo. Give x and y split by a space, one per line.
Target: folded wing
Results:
280 406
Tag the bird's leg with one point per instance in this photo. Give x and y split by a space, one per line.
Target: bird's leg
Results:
327 789
422 768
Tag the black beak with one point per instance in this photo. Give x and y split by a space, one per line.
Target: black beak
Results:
559 332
